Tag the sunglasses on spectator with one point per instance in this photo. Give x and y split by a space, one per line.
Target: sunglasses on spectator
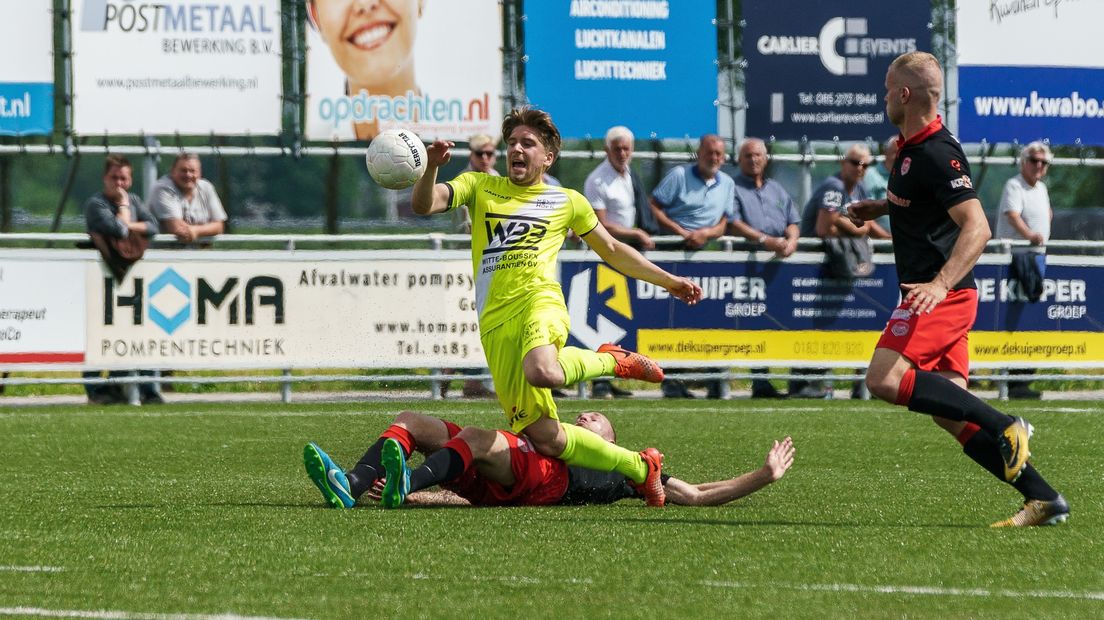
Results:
1039 160
857 162
483 153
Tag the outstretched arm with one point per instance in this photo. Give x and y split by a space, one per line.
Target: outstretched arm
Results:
778 461
633 264
430 196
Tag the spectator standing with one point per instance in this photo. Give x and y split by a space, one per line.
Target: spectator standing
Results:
877 175
186 204
1025 215
617 193
621 204
693 201
764 214
824 218
482 157
116 213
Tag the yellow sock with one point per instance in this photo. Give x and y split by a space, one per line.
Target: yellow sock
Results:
582 364
585 449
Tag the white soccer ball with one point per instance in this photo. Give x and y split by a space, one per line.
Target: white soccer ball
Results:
396 158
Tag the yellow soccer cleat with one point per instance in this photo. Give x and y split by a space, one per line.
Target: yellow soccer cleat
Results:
1038 512
1013 447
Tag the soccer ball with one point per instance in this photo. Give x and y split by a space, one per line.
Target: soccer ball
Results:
396 158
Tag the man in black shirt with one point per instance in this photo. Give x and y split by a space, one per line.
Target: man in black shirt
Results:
509 472
939 231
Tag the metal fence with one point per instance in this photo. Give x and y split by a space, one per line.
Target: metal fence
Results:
436 378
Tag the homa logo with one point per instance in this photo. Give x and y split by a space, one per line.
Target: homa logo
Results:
170 299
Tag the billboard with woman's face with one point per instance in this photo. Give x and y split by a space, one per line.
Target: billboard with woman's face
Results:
431 66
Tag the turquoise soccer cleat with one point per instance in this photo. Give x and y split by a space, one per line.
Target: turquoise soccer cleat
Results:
327 476
397 486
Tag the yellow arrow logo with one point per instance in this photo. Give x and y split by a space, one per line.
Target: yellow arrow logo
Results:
619 302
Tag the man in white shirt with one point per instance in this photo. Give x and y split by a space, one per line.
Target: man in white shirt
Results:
186 204
612 189
1025 214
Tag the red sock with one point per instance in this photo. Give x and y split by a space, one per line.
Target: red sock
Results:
401 435
904 390
461 447
453 430
967 433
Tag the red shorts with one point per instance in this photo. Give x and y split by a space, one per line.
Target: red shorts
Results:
540 480
938 341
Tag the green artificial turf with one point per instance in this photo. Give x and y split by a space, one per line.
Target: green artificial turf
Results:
189 510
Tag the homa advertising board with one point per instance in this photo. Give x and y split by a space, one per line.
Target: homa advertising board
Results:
239 310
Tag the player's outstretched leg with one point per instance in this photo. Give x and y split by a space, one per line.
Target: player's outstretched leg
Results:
652 487
327 476
1038 512
397 485
1013 447
630 365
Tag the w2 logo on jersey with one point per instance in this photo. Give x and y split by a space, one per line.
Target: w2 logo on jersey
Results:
513 232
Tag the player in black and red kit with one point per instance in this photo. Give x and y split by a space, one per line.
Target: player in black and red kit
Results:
939 231
507 471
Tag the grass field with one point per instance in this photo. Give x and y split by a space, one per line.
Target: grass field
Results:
187 510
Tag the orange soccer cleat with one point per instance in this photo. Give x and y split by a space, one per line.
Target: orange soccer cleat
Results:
630 365
652 487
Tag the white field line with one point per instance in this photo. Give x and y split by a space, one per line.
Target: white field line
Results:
914 590
31 569
38 612
514 579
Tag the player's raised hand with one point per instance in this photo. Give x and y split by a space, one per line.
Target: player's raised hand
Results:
923 298
376 492
440 152
686 290
779 458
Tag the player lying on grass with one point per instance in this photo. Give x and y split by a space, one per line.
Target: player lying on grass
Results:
507 471
518 226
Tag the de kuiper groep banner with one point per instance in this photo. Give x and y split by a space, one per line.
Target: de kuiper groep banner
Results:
648 65
27 71
817 69
193 68
756 311
1030 71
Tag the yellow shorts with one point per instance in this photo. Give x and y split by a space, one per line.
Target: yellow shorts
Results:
505 347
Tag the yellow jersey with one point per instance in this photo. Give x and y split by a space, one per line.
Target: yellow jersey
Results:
517 233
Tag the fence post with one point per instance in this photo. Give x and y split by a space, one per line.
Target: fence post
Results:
285 387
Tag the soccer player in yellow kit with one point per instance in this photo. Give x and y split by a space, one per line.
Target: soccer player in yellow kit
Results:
518 226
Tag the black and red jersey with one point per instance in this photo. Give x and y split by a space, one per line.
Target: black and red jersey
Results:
930 176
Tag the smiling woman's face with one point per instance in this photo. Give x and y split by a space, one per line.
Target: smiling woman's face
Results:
371 40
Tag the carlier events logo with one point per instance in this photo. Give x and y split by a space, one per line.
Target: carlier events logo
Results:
170 300
175 17
858 47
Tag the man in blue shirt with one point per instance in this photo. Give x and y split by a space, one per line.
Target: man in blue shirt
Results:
693 200
763 213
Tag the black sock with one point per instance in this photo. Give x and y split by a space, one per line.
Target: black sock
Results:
937 395
442 466
982 448
367 470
